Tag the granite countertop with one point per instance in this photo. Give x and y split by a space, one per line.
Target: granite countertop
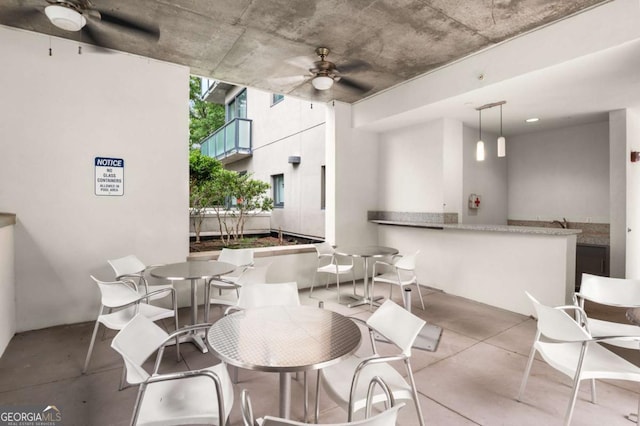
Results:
486 228
7 219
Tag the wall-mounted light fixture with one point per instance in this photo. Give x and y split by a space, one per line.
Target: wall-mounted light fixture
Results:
501 140
294 159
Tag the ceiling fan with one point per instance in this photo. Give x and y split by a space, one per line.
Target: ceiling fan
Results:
323 73
81 15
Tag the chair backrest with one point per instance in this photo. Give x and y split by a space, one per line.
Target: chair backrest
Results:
556 324
237 257
275 294
386 418
398 325
407 262
254 275
324 249
611 291
128 265
116 293
140 338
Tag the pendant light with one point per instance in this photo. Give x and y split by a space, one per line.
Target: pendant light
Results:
502 150
480 144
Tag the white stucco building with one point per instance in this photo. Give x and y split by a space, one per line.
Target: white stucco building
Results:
279 140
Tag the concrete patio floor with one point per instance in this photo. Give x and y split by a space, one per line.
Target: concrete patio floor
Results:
472 378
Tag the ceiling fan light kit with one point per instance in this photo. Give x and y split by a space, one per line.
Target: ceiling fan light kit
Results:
65 17
322 82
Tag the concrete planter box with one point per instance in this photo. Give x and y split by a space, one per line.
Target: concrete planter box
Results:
258 223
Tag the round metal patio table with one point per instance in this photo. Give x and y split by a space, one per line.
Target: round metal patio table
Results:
283 339
192 271
366 252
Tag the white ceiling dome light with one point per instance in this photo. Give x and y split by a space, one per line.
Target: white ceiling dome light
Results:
65 17
322 82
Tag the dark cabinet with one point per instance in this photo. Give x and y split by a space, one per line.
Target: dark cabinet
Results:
591 259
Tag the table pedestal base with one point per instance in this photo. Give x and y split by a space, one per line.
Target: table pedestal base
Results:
365 301
285 395
195 338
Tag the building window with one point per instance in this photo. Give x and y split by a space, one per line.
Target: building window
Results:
275 98
237 107
323 187
278 190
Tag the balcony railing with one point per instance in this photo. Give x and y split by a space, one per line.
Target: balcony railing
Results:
230 143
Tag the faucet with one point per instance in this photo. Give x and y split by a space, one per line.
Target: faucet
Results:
564 224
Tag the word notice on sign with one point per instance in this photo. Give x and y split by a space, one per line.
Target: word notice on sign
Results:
109 176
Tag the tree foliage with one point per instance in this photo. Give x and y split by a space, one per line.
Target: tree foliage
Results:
204 117
213 187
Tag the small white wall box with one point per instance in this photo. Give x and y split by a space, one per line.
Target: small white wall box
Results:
294 160
474 201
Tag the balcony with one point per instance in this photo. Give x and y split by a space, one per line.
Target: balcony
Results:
230 143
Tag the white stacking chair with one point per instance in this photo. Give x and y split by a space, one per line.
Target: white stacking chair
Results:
252 275
346 382
241 259
401 272
273 294
617 292
328 263
192 397
566 345
130 267
385 418
120 302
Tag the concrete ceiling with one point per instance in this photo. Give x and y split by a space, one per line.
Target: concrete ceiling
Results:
261 43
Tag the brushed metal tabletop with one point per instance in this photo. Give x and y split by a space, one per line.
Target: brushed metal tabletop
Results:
194 270
283 339
366 252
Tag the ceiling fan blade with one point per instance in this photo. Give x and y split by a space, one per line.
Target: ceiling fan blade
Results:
144 29
354 85
303 62
353 66
14 17
90 36
288 81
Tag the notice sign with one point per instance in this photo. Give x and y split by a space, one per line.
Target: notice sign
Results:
109 176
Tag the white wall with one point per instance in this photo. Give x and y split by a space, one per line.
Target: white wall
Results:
410 173
57 114
7 287
632 252
487 178
560 173
351 158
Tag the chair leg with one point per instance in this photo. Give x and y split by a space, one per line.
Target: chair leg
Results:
420 295
338 286
572 402
306 397
123 378
593 391
317 413
313 283
527 369
93 340
353 280
207 300
414 390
